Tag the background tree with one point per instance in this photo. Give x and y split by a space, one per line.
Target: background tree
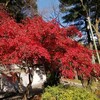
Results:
79 11
75 14
21 9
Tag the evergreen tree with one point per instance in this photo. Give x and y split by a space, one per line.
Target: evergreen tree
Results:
78 8
21 9
78 11
89 11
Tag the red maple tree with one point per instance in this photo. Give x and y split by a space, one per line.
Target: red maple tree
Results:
35 41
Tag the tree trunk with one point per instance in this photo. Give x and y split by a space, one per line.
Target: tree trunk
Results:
97 53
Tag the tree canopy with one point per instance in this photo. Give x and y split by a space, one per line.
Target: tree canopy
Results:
35 41
78 12
21 9
80 8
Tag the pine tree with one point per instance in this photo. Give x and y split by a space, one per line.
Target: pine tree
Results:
79 10
87 9
21 9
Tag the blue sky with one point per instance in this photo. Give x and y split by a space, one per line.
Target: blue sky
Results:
46 3
45 7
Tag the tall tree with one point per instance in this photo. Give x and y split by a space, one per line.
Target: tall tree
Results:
78 10
74 12
88 11
21 9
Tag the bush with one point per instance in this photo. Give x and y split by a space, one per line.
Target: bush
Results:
70 93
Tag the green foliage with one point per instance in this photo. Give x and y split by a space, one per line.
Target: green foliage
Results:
82 7
73 7
70 93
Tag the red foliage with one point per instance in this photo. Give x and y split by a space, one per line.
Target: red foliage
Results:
35 40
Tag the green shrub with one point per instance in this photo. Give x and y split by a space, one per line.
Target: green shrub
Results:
70 93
